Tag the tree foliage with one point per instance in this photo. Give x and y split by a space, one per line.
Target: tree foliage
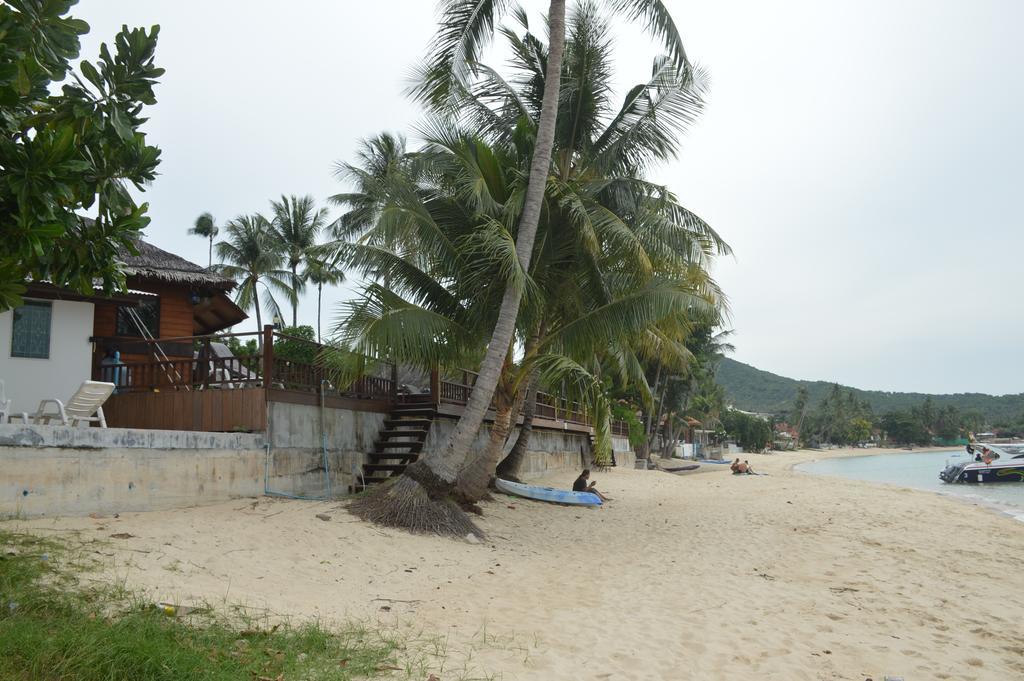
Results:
753 433
761 391
70 154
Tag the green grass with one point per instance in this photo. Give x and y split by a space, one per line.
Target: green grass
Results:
53 628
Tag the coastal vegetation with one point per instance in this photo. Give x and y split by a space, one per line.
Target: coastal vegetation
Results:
524 238
70 150
760 391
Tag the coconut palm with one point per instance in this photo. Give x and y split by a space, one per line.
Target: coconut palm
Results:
466 26
446 263
322 273
296 225
206 227
599 157
250 255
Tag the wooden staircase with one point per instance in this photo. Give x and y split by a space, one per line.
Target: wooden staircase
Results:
399 443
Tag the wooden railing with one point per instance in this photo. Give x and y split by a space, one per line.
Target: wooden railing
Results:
292 364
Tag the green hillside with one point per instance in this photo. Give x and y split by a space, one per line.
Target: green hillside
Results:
751 389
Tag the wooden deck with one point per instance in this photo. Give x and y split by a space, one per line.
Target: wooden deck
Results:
211 392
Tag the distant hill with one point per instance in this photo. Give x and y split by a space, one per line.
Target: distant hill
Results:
751 389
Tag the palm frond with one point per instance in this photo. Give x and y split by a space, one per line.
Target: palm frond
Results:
659 23
464 29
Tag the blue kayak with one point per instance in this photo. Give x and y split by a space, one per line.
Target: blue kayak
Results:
557 496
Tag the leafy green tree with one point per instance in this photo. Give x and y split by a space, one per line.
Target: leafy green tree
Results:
298 346
905 427
206 227
70 152
753 433
296 225
250 255
859 430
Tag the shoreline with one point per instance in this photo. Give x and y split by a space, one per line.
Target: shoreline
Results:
683 577
1016 512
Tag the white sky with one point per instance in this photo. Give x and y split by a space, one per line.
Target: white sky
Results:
861 158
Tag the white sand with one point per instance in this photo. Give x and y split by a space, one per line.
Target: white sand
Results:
702 576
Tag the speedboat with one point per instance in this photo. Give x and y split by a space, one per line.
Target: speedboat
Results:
991 463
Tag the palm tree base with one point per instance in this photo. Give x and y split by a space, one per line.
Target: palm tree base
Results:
406 504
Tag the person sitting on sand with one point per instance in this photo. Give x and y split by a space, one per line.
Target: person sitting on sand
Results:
740 468
735 467
581 485
747 469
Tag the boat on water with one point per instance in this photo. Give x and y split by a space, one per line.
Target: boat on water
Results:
990 463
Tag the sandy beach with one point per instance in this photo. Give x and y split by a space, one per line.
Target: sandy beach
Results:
699 576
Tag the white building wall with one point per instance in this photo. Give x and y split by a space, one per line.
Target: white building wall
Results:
30 380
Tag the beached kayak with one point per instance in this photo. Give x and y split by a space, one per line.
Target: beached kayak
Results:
557 496
679 469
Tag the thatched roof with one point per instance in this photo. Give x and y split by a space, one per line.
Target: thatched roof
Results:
156 263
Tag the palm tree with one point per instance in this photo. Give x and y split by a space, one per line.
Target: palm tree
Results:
437 244
321 273
206 228
296 225
250 255
466 26
626 214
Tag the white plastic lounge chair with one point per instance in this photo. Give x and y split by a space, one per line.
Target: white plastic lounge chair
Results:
5 407
85 405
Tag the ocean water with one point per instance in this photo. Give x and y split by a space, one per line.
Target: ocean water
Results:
921 471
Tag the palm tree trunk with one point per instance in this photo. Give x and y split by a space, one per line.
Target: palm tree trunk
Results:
657 422
511 464
417 501
211 252
668 446
475 477
319 295
295 295
259 320
490 370
649 429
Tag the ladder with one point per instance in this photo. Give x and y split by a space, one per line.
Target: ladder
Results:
159 351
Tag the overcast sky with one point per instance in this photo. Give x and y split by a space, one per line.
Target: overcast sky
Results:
862 158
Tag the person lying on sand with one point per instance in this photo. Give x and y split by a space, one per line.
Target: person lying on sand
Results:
742 468
581 485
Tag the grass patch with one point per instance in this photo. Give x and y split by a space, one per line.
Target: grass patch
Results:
52 628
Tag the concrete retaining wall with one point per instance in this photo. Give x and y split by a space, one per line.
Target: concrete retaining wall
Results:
56 470
296 454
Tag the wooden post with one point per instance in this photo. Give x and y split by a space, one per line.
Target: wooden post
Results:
268 356
206 357
394 382
435 386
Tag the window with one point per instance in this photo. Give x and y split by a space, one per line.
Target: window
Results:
146 312
30 333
